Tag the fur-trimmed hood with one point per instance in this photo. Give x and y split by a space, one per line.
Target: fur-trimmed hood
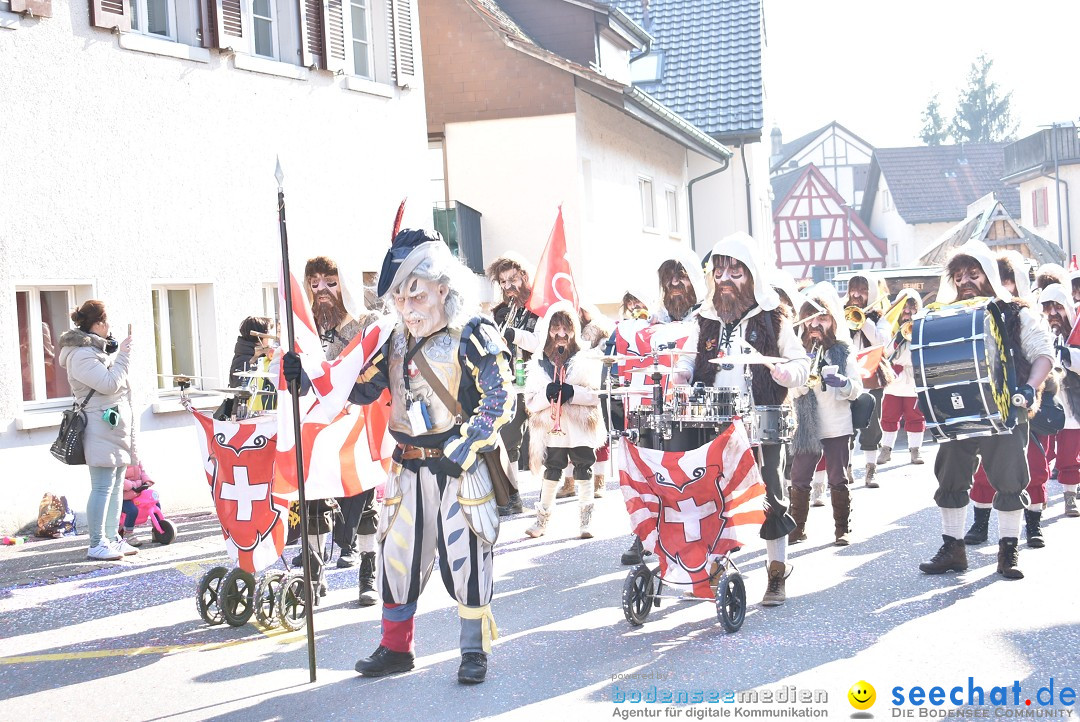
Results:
74 338
744 249
986 260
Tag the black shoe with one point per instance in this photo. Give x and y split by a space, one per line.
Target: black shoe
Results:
348 560
473 668
298 560
633 555
980 528
385 661
1033 521
513 505
368 595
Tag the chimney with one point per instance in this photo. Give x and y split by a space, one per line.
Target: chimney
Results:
646 19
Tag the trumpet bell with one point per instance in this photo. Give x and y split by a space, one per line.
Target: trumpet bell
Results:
855 317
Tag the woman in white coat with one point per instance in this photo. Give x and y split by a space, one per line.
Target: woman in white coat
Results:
98 367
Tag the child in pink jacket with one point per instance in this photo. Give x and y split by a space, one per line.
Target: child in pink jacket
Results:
136 480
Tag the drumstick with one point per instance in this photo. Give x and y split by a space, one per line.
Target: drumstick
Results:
811 317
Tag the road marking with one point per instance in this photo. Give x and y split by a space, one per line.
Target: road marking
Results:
282 636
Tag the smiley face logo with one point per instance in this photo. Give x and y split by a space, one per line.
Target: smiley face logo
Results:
862 695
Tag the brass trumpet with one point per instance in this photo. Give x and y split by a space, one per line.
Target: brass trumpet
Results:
855 317
905 330
556 410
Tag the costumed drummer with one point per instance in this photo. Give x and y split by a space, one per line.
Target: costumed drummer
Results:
972 272
451 386
741 313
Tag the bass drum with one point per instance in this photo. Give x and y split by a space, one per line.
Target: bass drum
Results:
964 372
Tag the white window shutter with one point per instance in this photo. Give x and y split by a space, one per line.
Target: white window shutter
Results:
228 22
401 28
311 33
334 24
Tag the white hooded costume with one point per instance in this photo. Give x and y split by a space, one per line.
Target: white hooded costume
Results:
742 248
872 334
684 255
898 352
1057 293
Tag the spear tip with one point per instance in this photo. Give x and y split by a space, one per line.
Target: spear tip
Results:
278 173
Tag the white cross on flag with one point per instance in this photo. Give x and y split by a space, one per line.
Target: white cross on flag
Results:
238 457
554 280
346 448
686 505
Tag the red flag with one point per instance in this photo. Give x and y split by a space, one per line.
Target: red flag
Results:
1072 264
1074 335
554 280
869 359
686 505
238 458
333 433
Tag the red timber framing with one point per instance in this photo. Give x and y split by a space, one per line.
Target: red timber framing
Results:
833 235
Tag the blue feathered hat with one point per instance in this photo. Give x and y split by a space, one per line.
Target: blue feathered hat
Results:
409 248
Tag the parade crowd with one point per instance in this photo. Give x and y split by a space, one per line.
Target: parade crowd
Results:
476 399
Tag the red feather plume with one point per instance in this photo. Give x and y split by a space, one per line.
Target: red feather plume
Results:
397 219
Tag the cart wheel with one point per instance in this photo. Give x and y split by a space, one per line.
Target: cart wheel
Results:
731 601
208 599
266 596
292 602
238 597
168 532
637 595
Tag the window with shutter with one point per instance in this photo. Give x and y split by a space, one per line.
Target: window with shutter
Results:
110 14
228 22
334 21
37 8
401 28
312 35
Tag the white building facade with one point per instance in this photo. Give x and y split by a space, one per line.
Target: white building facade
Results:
148 182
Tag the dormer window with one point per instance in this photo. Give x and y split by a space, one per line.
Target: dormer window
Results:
648 68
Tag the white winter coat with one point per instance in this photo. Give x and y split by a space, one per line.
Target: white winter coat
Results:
88 367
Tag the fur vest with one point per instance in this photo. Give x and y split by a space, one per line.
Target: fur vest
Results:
1021 363
763 333
583 424
807 418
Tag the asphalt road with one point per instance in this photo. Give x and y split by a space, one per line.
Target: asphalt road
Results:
87 641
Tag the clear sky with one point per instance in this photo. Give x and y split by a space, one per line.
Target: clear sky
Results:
872 65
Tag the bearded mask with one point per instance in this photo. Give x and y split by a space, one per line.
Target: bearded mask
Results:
327 306
561 343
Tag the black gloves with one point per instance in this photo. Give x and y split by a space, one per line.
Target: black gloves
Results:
555 388
508 334
291 368
553 391
567 393
443 465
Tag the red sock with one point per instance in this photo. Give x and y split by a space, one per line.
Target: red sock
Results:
397 627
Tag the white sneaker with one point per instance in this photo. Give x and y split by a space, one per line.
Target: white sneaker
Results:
104 553
124 548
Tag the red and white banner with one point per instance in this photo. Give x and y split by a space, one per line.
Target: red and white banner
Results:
238 457
554 280
346 448
686 505
638 338
869 359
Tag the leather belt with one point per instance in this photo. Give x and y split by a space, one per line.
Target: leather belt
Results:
408 451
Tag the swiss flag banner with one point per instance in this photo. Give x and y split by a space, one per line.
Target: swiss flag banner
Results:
346 448
238 457
637 338
686 505
554 280
869 359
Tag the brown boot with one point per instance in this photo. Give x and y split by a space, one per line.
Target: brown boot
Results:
800 507
598 484
884 455
871 472
567 489
1070 504
1008 558
915 458
951 557
774 592
841 514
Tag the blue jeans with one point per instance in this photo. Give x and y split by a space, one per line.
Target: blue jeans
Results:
130 512
103 506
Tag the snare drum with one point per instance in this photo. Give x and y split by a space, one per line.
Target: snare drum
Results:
963 368
770 424
705 406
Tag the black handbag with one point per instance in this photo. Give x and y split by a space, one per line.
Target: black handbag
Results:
68 446
1050 418
862 410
